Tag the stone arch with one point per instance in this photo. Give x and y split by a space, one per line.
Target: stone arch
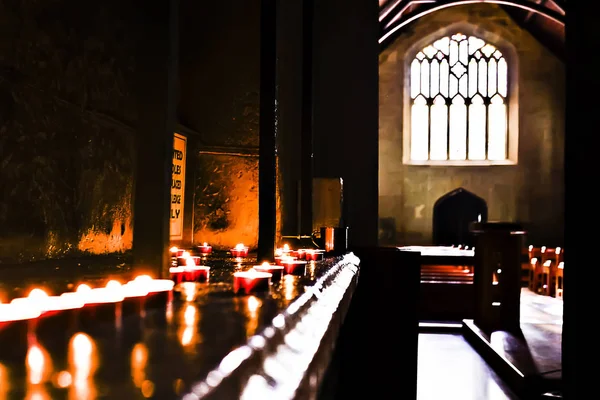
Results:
452 214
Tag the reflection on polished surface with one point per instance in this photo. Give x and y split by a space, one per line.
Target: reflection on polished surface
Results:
4 382
188 327
158 353
83 361
252 322
458 371
289 287
139 358
39 370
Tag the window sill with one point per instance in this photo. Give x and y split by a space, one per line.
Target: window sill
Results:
460 163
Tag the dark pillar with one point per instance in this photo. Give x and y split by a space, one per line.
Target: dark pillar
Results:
289 107
306 138
267 165
581 205
497 280
156 77
387 294
345 113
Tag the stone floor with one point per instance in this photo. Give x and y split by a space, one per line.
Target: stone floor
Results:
449 368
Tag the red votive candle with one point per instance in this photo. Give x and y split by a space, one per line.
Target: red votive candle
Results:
205 248
176 252
294 267
313 255
239 251
251 281
189 261
275 270
198 273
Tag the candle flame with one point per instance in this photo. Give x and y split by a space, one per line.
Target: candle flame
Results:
173 249
240 246
205 244
286 247
37 294
83 288
558 250
113 285
265 264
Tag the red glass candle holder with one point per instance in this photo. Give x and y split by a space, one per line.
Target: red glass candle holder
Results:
176 252
313 255
251 281
275 270
205 249
294 267
199 273
189 261
239 251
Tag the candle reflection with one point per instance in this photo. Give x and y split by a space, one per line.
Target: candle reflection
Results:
39 368
311 271
189 290
37 392
252 322
83 359
4 382
188 330
139 359
289 287
39 365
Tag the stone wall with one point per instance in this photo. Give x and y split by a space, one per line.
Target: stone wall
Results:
66 136
220 85
531 192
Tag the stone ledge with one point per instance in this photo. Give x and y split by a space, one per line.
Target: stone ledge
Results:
288 359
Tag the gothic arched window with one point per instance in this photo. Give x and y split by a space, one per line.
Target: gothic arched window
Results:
459 98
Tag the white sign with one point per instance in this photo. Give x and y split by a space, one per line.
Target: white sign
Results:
177 186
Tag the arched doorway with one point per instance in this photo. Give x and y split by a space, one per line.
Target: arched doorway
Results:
452 214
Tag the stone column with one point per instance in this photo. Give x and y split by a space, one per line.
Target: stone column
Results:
581 205
346 108
306 135
289 103
156 76
267 158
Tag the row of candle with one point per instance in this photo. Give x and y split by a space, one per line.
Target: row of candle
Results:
241 250
39 302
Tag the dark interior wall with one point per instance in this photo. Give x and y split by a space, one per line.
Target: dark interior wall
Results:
531 192
66 127
219 100
345 107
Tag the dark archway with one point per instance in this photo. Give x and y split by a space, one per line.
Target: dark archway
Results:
452 214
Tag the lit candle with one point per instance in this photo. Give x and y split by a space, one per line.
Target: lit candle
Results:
192 273
275 270
285 257
205 248
176 274
314 254
293 266
176 252
301 254
188 261
239 250
251 281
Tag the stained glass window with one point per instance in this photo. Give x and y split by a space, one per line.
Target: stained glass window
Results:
459 97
